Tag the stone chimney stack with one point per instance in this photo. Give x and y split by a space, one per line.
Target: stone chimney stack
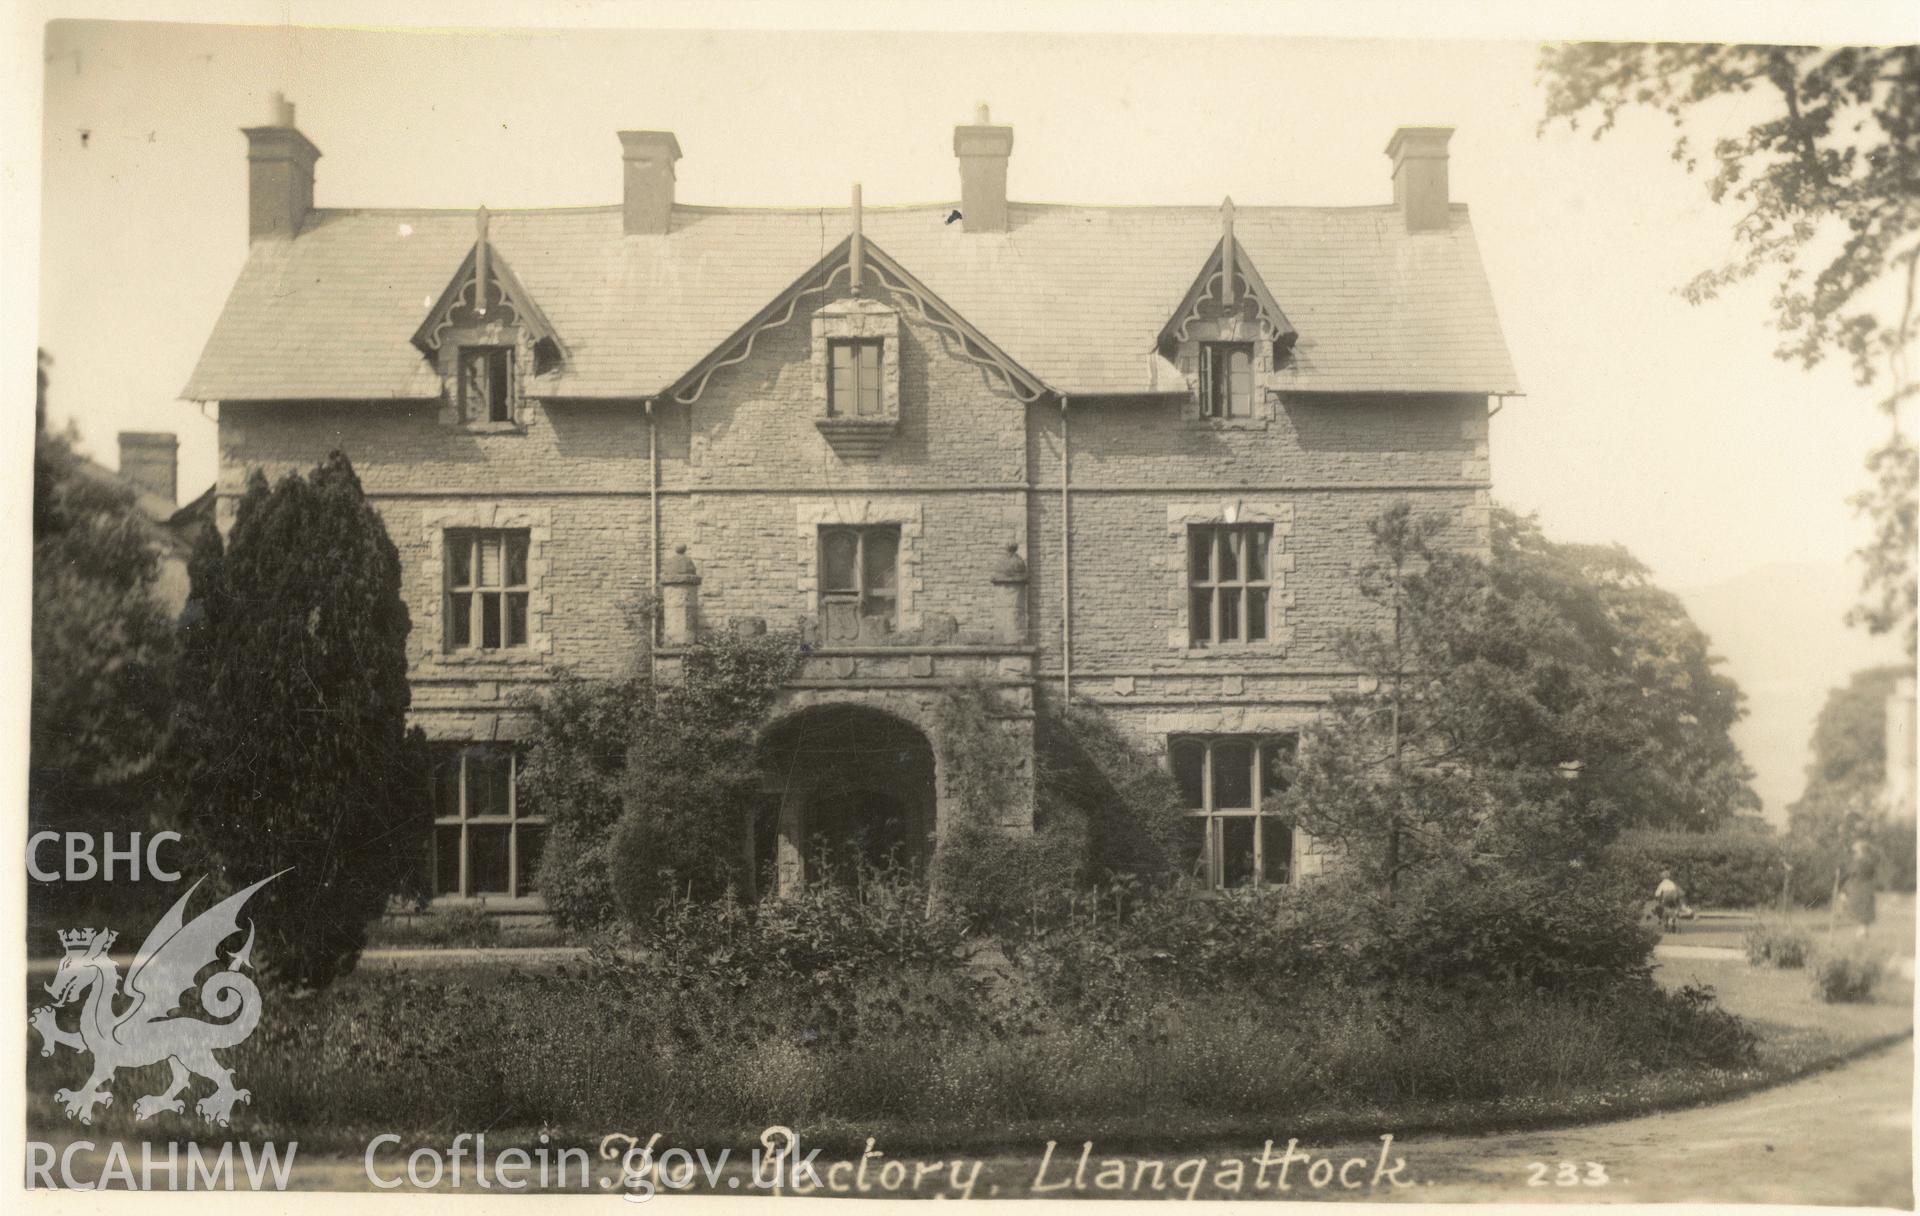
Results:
983 150
1420 176
649 157
151 460
279 175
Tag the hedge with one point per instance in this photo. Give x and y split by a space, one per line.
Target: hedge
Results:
1729 869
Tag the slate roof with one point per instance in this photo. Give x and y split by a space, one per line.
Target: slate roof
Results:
1076 295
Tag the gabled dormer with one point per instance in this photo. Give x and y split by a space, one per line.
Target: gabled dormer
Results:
1228 337
856 335
487 338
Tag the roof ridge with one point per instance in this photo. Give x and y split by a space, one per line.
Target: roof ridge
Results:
842 208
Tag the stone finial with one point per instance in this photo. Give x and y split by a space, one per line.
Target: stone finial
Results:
679 569
1010 609
1010 569
679 598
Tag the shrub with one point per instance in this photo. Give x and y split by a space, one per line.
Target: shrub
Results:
1127 805
576 755
1727 869
830 960
1008 883
642 783
1848 977
1102 811
1779 945
1464 928
689 786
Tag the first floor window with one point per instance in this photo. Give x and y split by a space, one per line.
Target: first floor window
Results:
484 841
1226 379
1232 840
486 383
486 588
853 378
859 580
1228 583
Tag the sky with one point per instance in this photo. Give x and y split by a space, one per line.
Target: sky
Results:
1665 426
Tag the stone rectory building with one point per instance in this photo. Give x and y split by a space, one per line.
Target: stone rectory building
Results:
1121 455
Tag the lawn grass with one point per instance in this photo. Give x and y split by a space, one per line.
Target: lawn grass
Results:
1797 1029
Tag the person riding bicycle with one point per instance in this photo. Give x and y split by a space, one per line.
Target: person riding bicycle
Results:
1671 900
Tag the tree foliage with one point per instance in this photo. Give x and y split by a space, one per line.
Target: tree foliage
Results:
103 646
290 740
1684 770
1826 179
1516 713
1849 767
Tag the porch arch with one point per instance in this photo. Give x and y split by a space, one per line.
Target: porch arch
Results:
847 785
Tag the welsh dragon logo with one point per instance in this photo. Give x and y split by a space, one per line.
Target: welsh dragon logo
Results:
143 1030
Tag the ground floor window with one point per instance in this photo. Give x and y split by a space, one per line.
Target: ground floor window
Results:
1231 839
484 842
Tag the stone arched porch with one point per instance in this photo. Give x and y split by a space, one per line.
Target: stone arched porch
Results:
858 770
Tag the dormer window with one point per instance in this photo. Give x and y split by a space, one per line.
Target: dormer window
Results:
856 375
854 387
486 384
1226 379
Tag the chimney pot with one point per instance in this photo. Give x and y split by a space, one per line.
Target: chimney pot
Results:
280 164
151 460
983 149
1419 157
648 198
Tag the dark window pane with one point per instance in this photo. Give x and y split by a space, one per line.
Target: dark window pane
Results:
532 841
446 860
1189 771
446 783
883 545
489 775
487 859
489 621
1229 547
838 552
1275 755
1200 615
1192 846
516 618
1256 553
499 399
1236 850
459 560
460 618
1256 614
1276 851
516 559
1232 776
1200 551
1230 614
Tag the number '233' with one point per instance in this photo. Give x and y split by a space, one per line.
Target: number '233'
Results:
1567 1173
